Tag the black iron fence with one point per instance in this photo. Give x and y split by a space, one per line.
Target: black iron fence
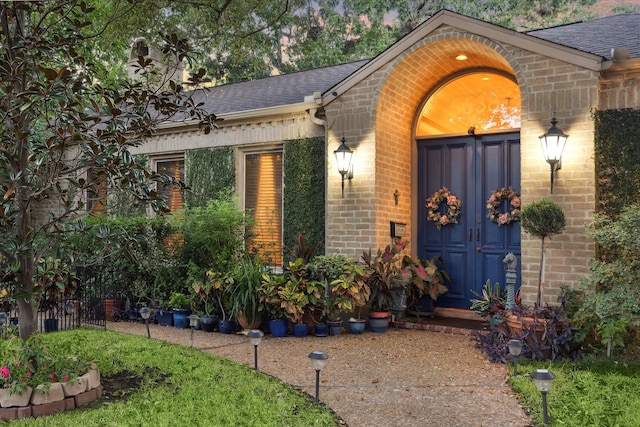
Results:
91 298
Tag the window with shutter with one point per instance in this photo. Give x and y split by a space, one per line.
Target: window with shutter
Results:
263 198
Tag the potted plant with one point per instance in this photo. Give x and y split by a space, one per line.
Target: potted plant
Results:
204 291
385 280
542 219
539 324
348 292
269 291
181 306
425 281
244 298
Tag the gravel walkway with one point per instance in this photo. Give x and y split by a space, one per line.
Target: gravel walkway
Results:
398 378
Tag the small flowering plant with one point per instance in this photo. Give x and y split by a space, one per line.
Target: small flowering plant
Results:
452 213
31 364
494 206
15 376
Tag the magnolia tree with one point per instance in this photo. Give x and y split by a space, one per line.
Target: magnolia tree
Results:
64 139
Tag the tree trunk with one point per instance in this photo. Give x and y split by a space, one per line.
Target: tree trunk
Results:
27 316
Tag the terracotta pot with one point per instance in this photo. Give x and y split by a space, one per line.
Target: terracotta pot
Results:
518 326
379 314
244 324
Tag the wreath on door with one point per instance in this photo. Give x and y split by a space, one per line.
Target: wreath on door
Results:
494 203
433 203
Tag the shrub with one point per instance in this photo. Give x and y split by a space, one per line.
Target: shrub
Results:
608 302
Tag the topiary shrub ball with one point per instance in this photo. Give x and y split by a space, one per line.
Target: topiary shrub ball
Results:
543 218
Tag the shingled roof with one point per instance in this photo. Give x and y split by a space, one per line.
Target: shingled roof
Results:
598 36
285 89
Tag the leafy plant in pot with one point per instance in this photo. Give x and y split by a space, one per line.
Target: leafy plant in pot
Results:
244 296
348 292
269 291
545 328
425 281
205 292
181 306
385 280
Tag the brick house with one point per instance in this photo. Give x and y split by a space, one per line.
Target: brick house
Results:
457 103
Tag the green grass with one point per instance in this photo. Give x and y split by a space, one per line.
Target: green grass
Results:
595 393
182 387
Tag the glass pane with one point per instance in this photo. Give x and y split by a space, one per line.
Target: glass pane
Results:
263 198
484 101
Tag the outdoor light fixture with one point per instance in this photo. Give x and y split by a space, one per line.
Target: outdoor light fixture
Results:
515 348
543 379
343 159
255 336
553 142
193 321
68 308
145 313
318 360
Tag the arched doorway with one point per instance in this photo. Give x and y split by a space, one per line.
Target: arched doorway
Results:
467 135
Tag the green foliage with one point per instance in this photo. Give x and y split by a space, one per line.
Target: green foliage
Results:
209 171
617 160
590 392
243 293
179 300
384 276
543 218
52 103
291 293
491 301
213 235
303 198
609 300
134 251
178 385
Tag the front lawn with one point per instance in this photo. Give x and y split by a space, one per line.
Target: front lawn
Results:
586 393
161 384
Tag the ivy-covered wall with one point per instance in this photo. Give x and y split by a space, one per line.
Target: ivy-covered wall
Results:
304 186
617 152
208 172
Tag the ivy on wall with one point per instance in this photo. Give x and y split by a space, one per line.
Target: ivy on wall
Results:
617 160
208 171
304 192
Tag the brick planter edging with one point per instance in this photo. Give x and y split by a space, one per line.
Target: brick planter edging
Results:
66 404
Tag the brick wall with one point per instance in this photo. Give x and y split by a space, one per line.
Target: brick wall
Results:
377 116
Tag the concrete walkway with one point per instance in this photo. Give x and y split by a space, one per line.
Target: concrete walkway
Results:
398 378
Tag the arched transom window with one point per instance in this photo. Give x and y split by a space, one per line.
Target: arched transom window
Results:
482 101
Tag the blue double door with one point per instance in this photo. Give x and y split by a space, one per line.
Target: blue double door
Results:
471 167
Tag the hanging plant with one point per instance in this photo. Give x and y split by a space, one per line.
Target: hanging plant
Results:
433 208
494 203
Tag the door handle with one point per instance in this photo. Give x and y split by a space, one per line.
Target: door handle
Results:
478 249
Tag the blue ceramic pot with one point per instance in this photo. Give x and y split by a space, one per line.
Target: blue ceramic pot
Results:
209 323
165 317
321 329
379 324
335 327
356 326
300 330
278 328
181 317
226 326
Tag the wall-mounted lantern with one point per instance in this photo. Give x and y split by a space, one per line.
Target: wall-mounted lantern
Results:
553 142
343 159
